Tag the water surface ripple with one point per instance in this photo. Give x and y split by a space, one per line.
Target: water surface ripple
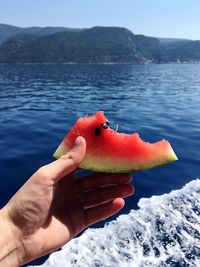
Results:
39 103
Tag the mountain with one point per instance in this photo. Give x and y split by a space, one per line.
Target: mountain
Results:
167 41
98 44
94 45
185 51
7 31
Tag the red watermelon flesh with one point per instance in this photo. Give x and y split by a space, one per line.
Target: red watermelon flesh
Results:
111 151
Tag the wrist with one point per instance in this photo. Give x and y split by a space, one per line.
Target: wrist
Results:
11 252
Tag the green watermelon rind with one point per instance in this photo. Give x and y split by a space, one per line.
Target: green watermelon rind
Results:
101 165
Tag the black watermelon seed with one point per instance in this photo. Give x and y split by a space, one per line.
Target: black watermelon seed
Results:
97 131
104 125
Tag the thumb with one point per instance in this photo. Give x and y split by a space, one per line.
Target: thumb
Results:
69 162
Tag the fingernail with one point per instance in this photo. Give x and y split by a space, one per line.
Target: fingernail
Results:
78 141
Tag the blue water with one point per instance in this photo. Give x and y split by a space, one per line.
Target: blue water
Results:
163 232
39 103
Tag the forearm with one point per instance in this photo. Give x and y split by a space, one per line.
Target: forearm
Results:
10 247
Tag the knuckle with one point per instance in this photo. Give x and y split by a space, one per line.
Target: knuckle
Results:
73 161
43 173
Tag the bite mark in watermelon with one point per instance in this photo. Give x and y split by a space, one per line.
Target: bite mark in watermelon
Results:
114 152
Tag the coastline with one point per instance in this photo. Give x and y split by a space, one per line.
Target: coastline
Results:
102 63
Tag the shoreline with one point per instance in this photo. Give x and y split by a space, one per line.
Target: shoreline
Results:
100 63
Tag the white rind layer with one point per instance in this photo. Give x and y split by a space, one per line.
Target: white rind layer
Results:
116 165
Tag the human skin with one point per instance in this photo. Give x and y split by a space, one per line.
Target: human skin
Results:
53 206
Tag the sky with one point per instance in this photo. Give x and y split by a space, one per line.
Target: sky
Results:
158 18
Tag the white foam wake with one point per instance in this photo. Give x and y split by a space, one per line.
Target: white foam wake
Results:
164 231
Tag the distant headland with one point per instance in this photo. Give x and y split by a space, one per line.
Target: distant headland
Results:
93 45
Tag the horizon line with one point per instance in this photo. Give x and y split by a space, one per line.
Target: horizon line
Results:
82 28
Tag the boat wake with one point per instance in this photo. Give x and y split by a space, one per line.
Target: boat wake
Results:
164 231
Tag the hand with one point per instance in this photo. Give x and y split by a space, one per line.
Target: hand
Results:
53 206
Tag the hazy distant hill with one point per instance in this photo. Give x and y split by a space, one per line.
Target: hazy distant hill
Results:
95 45
167 41
184 51
7 31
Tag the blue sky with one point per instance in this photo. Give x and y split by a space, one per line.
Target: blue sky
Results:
159 18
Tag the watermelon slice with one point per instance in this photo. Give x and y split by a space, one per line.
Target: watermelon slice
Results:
110 151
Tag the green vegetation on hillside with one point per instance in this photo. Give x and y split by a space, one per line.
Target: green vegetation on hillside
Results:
95 45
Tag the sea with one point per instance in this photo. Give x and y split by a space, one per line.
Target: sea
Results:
160 224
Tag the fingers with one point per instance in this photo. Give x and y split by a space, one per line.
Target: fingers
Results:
95 180
65 164
103 211
104 202
103 195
